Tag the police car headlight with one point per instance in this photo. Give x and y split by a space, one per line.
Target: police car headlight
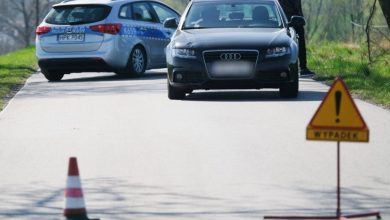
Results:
277 52
184 53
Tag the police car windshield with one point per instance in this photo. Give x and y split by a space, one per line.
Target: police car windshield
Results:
233 15
78 14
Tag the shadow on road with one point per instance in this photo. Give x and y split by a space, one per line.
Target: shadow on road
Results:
250 96
117 198
96 85
34 201
154 81
150 75
354 200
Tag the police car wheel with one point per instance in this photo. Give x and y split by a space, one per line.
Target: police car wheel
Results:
137 61
52 76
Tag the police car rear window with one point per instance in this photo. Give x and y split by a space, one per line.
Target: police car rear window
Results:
78 14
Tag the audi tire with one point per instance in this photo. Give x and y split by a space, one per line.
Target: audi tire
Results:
291 90
176 93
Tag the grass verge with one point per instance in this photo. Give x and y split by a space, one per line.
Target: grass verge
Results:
367 81
15 68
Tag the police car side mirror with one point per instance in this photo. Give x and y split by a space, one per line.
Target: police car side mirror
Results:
297 21
171 23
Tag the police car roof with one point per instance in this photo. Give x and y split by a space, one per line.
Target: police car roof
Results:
93 2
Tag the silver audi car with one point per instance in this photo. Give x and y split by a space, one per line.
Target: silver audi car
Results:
123 36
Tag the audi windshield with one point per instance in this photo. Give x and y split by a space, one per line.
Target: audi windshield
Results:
233 15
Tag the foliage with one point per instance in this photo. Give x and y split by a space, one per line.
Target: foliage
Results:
18 20
340 20
368 81
15 68
179 5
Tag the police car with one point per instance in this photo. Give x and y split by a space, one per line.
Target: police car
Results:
123 36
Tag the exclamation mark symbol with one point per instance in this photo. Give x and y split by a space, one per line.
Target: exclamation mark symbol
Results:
338 95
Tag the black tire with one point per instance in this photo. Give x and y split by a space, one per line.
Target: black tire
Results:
175 93
291 90
52 76
137 61
136 65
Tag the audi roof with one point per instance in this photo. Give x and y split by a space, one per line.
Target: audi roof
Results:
227 0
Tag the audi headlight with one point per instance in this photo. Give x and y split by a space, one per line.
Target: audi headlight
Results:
184 53
277 52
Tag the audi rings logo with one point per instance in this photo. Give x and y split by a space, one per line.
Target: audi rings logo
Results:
230 56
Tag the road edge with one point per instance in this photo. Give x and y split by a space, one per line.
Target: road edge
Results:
8 99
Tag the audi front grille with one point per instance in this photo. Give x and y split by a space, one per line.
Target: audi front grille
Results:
246 55
213 56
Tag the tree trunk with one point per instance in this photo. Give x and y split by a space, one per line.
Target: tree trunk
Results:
26 19
37 13
368 31
385 4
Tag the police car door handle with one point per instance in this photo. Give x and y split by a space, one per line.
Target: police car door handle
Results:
143 28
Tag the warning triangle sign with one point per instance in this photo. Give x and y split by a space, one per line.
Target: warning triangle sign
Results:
337 117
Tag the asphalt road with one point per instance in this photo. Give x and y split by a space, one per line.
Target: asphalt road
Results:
217 155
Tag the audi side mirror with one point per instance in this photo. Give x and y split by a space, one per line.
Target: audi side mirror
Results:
297 21
171 23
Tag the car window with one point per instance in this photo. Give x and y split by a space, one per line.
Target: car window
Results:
126 12
164 12
78 14
233 15
142 12
139 11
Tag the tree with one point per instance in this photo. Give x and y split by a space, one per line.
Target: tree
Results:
356 16
19 18
368 31
313 18
22 27
37 12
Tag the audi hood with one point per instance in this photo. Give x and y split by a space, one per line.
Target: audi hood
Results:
230 38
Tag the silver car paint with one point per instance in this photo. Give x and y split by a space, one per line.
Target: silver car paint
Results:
113 49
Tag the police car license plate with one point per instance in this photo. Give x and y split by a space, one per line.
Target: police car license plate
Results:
71 37
239 69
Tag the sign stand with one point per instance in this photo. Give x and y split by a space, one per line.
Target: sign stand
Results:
327 126
338 211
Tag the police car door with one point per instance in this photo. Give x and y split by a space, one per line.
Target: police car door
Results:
147 28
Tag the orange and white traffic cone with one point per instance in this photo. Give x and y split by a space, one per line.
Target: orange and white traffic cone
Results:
74 199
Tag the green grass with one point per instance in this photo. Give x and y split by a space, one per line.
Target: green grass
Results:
15 68
367 81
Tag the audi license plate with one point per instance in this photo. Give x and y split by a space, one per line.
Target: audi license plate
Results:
234 69
71 37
